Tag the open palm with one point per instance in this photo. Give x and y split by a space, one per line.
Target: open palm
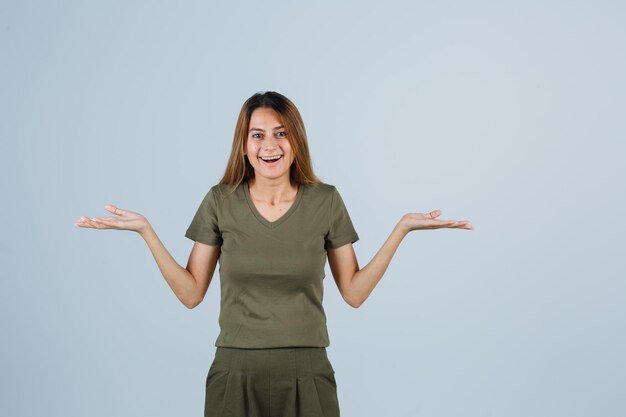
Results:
425 221
123 220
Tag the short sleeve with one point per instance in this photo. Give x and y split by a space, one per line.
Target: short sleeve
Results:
341 231
204 226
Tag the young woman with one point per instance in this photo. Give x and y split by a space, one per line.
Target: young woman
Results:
271 223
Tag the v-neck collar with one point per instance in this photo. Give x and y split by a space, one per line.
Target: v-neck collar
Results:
282 218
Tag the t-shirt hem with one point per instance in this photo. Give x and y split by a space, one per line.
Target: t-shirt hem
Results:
338 242
205 240
282 346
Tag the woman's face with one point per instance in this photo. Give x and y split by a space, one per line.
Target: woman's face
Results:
267 137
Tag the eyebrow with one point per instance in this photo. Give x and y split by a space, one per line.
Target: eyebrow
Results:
262 130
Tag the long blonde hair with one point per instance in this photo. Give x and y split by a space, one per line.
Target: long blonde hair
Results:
239 168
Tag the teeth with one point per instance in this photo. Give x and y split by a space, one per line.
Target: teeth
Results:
273 158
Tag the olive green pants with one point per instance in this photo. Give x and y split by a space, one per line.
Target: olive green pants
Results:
277 382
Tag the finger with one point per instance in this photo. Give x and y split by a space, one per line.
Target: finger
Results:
115 210
439 224
447 224
84 220
104 222
443 222
81 223
101 222
96 223
103 218
434 214
466 225
463 224
87 222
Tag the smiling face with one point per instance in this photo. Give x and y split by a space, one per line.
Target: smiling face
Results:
268 138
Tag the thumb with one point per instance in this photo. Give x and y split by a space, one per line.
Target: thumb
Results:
434 213
114 210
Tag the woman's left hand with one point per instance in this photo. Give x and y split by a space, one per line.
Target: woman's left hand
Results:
421 221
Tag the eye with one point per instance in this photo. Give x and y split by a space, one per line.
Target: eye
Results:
283 134
254 135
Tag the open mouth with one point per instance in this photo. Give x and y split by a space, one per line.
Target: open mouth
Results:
271 162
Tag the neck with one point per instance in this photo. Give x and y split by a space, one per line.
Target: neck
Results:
272 191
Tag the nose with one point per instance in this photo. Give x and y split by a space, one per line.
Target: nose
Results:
270 144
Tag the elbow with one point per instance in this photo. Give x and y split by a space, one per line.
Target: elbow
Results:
356 300
191 304
353 302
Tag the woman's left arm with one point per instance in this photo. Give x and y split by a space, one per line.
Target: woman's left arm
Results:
355 284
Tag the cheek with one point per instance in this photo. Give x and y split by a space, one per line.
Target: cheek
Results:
252 150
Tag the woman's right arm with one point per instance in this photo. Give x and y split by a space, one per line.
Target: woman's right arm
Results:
189 284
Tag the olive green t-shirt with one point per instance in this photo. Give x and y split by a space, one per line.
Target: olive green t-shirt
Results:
271 272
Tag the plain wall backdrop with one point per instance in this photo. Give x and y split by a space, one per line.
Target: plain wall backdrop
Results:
509 114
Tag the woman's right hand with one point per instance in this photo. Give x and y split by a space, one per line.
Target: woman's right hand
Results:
124 220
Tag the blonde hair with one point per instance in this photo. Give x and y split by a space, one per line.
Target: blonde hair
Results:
239 168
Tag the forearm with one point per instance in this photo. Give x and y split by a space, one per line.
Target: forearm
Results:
365 279
178 278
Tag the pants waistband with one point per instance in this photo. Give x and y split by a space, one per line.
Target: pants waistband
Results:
294 361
